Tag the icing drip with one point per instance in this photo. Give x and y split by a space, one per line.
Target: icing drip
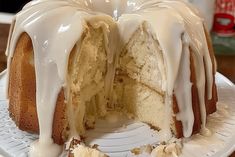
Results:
111 42
171 44
201 54
56 26
50 59
183 90
43 148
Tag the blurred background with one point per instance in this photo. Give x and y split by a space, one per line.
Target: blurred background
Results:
7 9
12 6
219 16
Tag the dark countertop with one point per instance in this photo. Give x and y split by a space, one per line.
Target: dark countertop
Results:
226 63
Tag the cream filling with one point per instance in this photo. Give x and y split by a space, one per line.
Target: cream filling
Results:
55 27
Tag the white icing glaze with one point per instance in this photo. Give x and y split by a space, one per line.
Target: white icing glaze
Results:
183 90
42 149
55 26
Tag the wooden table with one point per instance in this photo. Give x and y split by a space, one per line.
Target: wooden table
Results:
226 64
4 29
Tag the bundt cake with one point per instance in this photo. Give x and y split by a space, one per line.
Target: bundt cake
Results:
71 62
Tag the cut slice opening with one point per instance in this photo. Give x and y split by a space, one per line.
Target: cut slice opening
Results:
138 87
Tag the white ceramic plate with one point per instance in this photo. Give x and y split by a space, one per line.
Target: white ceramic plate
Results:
118 138
6 18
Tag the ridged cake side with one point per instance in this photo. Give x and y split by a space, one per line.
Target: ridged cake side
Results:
22 93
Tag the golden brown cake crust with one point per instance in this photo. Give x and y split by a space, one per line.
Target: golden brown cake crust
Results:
22 93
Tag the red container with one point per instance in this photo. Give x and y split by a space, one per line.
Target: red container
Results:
224 20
